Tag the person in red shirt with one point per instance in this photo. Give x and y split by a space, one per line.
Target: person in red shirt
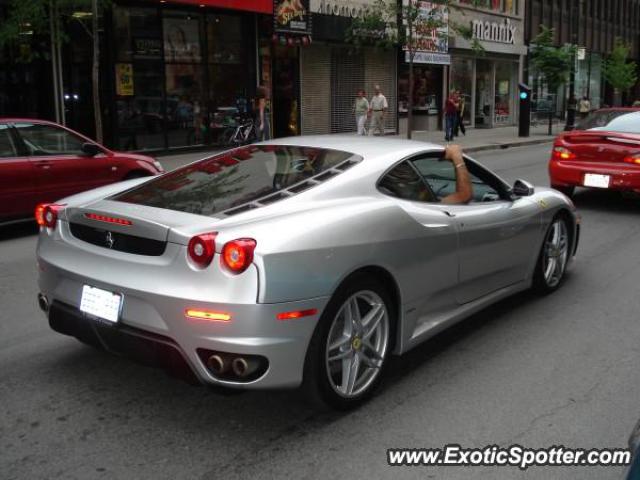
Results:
450 115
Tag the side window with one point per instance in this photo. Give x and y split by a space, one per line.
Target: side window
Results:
49 140
7 146
403 182
441 177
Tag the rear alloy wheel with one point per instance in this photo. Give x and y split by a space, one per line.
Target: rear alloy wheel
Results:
568 191
350 346
554 256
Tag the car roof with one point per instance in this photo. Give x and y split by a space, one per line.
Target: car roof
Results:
364 146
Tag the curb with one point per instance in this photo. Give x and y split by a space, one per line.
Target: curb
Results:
500 146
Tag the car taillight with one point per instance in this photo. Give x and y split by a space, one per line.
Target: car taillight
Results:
237 254
561 153
635 159
47 214
202 248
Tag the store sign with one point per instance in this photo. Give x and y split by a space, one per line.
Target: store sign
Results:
340 8
292 16
431 43
429 57
498 32
124 79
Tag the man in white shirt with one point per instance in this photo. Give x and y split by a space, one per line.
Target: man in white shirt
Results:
378 106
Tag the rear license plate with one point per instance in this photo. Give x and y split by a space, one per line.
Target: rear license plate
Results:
101 303
595 180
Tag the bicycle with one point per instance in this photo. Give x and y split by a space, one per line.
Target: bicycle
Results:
242 134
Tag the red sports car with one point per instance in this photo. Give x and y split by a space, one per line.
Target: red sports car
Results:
41 161
603 152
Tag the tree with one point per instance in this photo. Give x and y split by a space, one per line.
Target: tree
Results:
618 71
30 22
553 63
412 24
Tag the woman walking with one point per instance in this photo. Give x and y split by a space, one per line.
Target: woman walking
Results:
361 109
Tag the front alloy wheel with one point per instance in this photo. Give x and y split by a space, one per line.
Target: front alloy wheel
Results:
554 257
349 349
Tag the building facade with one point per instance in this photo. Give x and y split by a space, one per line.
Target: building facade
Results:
592 25
488 78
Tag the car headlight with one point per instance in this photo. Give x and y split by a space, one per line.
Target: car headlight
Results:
158 165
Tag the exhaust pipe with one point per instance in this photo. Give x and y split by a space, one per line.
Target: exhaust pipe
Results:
217 364
243 368
43 302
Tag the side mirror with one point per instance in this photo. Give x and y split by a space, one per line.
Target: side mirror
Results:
522 188
90 149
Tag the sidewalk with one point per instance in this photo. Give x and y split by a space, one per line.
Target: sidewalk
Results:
477 139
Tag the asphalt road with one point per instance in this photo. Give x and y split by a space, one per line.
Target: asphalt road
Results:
559 370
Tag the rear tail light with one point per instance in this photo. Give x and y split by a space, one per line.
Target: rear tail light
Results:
202 248
561 153
47 214
237 254
635 159
297 314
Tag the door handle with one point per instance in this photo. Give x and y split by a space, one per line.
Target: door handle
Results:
448 214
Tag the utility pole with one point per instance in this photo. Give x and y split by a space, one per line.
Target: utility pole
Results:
575 35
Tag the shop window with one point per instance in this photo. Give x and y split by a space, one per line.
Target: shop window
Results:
136 33
181 38
462 82
484 92
226 40
503 92
140 110
184 104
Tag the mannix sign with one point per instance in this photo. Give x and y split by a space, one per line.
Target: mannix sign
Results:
499 32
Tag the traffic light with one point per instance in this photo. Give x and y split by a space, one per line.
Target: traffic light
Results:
525 110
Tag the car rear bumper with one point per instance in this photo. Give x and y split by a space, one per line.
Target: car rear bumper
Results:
571 173
153 329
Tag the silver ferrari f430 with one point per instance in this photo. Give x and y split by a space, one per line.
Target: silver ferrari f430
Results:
304 261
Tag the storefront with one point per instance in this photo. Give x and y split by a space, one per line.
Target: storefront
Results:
488 81
429 71
332 72
179 70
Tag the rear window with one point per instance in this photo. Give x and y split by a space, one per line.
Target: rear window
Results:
240 177
628 123
600 119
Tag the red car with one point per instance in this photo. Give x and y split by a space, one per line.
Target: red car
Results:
603 152
41 161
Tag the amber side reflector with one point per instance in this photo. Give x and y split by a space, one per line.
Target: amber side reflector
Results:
105 218
208 315
296 314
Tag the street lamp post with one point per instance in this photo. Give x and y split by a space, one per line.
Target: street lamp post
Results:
572 102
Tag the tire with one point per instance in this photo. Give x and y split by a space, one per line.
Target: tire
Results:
568 191
358 350
554 256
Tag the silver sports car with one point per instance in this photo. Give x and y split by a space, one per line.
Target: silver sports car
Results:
302 261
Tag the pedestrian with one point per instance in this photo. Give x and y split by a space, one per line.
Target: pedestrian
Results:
450 116
460 115
378 106
361 109
584 107
263 121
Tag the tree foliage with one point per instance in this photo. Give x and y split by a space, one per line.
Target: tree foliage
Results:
27 27
617 70
553 63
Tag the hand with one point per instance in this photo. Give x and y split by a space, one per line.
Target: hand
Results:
261 127
453 153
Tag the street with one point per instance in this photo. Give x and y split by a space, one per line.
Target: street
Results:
534 371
